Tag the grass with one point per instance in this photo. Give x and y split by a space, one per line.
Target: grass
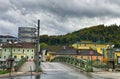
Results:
3 71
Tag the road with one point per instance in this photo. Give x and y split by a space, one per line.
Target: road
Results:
28 66
56 70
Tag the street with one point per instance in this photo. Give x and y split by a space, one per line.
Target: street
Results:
55 70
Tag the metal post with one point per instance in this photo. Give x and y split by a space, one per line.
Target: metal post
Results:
11 51
38 47
91 60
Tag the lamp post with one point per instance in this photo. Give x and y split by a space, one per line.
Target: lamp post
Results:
110 54
37 62
10 59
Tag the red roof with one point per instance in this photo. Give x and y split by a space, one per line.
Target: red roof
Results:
19 45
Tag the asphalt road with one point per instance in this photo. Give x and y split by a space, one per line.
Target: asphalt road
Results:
56 70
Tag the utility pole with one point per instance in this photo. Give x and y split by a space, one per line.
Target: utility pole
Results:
38 63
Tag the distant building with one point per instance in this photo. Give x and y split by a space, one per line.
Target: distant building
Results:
99 46
26 34
18 50
7 38
80 54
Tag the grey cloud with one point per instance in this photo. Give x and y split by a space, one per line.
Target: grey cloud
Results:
58 15
73 8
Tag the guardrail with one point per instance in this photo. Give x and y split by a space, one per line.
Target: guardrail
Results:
20 63
82 64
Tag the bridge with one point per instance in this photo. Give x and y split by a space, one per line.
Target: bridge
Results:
63 67
85 65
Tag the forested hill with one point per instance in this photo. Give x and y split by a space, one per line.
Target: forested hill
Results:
109 34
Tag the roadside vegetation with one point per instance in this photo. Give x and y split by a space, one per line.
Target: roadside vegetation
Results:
106 34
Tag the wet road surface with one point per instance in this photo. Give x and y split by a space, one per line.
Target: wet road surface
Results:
58 71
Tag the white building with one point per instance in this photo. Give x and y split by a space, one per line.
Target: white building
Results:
7 38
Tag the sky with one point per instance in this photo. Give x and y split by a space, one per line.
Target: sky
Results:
57 17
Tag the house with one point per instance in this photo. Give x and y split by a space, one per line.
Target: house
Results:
6 38
18 51
80 54
89 54
98 46
116 53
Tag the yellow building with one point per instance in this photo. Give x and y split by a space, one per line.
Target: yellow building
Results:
18 51
100 47
117 53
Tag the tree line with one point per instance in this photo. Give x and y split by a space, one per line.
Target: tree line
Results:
108 34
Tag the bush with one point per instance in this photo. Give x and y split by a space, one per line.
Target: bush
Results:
3 72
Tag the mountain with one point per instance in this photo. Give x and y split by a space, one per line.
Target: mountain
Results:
108 34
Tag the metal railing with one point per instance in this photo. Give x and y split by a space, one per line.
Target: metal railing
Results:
20 63
82 64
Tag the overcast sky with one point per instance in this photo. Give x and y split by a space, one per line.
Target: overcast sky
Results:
57 16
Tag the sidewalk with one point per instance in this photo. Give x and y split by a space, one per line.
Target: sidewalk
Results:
111 75
105 74
19 74
23 71
28 66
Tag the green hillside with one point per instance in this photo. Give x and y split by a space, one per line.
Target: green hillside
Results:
109 34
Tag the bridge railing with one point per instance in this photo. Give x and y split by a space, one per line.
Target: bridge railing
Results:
79 63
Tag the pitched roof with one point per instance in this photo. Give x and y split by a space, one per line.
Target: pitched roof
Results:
88 52
72 51
67 50
6 36
19 45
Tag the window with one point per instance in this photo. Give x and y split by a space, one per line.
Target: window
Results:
32 50
81 57
18 49
4 57
27 50
5 50
22 56
0 40
88 57
27 57
15 57
94 45
31 56
80 44
96 57
23 50
14 50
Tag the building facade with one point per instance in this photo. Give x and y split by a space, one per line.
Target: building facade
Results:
26 34
7 38
77 53
18 51
101 48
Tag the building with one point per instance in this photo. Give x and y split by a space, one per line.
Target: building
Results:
18 51
98 46
26 34
80 54
116 53
7 38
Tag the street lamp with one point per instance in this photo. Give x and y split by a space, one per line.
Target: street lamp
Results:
110 55
10 59
11 44
37 62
